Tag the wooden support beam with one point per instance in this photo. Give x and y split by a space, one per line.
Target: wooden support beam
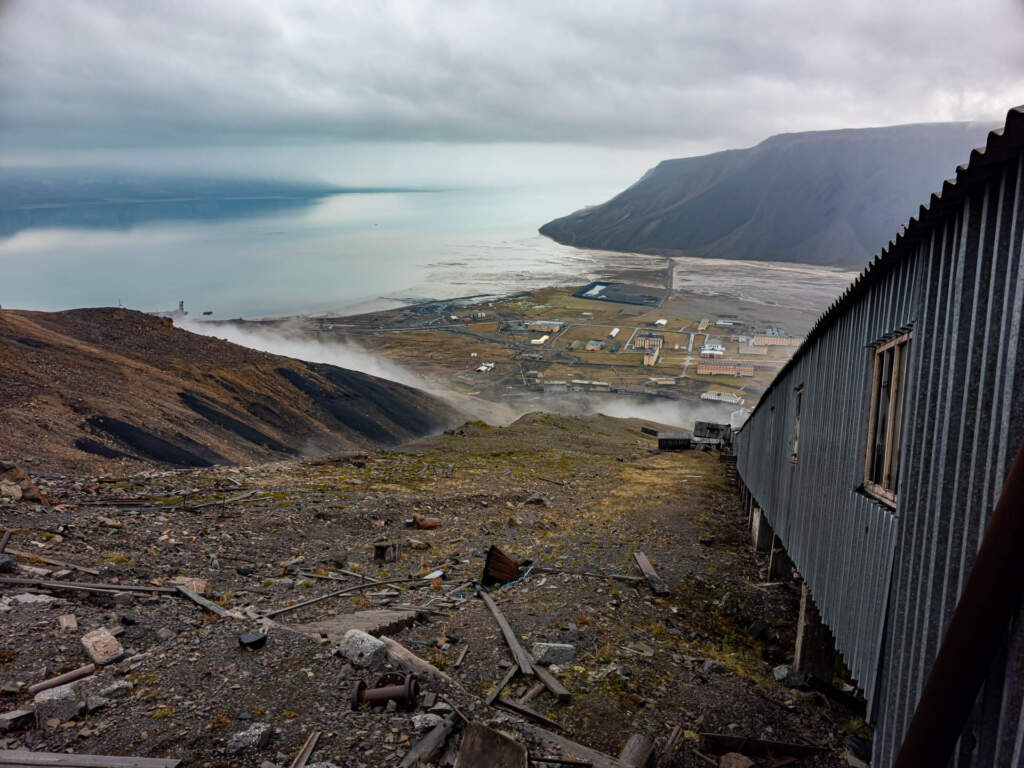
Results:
86 586
22 757
549 681
501 685
658 585
424 750
521 656
638 750
571 749
50 560
527 712
307 749
202 601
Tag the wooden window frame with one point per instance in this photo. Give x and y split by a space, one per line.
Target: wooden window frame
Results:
894 414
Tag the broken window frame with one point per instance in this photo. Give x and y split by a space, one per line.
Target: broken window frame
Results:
798 405
890 360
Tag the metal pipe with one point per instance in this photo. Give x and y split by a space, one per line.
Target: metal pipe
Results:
990 598
393 686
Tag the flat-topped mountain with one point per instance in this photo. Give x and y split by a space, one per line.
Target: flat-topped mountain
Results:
93 389
824 197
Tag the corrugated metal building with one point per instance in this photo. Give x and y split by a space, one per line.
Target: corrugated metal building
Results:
879 451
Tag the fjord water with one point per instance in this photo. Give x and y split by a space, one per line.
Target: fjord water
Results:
266 257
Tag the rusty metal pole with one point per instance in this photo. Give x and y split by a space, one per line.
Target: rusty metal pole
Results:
990 598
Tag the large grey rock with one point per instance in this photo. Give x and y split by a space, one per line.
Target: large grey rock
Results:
102 647
788 677
255 736
363 650
553 653
117 690
60 703
425 722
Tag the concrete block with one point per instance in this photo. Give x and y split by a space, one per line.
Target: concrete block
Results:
553 653
60 703
102 647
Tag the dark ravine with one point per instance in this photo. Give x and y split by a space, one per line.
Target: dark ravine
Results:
95 390
824 197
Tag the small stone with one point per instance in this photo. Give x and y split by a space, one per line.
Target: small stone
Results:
11 688
10 490
440 708
60 704
514 522
6 564
734 760
537 499
124 598
788 677
256 736
252 640
392 706
428 700
553 653
28 599
709 666
68 621
117 690
425 722
92 703
363 650
102 647
504 663
164 633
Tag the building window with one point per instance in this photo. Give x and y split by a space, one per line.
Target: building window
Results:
796 421
882 464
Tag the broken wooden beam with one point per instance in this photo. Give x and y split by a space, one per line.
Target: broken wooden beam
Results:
658 585
462 656
638 750
534 692
486 748
307 749
51 561
424 750
67 677
524 711
570 749
22 757
335 593
501 685
85 586
550 682
202 601
521 656
232 500
402 657
720 743
591 574
668 752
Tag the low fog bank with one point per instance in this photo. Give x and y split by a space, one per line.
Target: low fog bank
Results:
284 340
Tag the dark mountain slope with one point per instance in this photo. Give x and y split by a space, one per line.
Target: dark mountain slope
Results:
88 390
826 197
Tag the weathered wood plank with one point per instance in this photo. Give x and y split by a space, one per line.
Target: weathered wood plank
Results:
67 677
520 654
550 682
527 712
202 601
307 749
570 749
501 686
51 561
424 750
638 750
85 586
658 585
22 757
484 748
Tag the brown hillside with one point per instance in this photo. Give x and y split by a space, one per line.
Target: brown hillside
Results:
97 390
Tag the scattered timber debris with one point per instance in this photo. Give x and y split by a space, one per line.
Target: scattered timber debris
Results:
486 748
307 750
658 585
21 757
521 656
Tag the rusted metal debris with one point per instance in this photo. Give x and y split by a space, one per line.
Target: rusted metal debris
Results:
500 568
401 688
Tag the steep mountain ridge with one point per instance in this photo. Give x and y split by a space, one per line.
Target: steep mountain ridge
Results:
823 197
90 389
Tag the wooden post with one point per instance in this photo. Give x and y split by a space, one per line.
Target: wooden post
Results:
637 752
780 567
760 532
815 648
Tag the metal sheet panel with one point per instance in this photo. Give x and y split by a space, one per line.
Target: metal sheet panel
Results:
886 581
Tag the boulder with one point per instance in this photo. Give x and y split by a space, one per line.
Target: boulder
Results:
255 736
425 722
102 647
60 703
23 487
553 653
363 650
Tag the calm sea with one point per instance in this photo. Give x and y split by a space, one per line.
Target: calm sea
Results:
346 251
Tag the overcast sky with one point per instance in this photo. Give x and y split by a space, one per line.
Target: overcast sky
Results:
637 80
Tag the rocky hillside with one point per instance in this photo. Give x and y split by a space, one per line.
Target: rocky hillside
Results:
825 197
97 389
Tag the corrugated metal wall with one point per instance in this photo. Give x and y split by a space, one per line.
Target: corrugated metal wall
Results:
886 581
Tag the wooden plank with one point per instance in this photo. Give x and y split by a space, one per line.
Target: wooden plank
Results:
527 712
402 657
21 757
530 695
67 677
307 749
520 654
485 748
202 601
51 561
720 743
658 585
638 750
570 749
85 586
501 685
550 681
668 752
424 750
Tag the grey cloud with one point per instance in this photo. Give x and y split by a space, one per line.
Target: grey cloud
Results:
161 73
